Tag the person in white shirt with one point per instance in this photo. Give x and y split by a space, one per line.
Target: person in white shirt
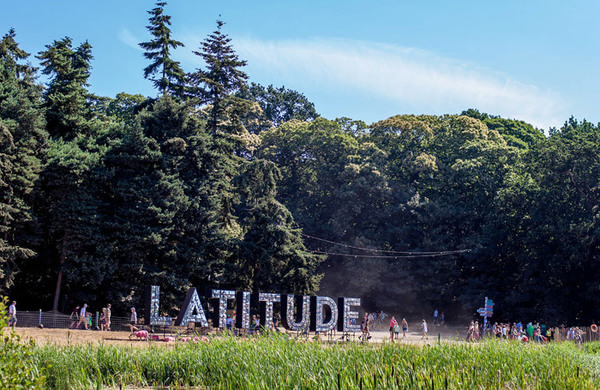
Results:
12 314
83 317
424 330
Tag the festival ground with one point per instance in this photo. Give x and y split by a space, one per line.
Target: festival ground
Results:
82 337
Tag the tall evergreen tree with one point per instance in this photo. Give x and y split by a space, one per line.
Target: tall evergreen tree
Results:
70 200
271 255
66 98
141 214
22 149
165 73
221 79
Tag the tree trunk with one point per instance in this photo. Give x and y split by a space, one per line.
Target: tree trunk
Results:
63 256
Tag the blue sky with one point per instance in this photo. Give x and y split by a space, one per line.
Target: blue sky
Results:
530 60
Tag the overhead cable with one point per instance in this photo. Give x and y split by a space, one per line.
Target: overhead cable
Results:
423 254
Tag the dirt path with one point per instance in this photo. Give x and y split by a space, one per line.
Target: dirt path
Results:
82 337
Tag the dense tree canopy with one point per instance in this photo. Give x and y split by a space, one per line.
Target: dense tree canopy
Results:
225 184
22 152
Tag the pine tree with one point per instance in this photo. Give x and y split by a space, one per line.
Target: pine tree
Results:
67 111
222 78
205 230
271 256
70 204
22 148
143 204
171 78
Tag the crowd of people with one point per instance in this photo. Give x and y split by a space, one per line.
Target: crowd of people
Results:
395 328
81 318
534 332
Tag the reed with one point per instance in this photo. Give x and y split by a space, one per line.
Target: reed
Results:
275 362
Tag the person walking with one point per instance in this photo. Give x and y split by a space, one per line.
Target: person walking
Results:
82 317
12 315
424 330
74 318
133 320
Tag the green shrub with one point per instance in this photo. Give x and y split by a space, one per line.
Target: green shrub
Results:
17 367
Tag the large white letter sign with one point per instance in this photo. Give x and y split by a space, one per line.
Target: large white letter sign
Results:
347 315
266 301
324 314
242 313
190 306
291 320
220 315
153 307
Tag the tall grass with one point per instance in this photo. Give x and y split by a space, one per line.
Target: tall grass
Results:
275 362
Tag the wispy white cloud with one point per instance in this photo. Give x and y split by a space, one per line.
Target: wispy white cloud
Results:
129 39
412 78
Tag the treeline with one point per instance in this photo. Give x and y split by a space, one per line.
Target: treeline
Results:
101 197
221 183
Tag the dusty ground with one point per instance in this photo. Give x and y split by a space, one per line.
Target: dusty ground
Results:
81 337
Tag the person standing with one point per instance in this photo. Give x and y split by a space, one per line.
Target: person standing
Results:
366 334
108 315
229 323
424 330
435 317
12 315
82 317
404 326
105 318
393 325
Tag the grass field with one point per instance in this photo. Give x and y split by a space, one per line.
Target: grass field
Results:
274 362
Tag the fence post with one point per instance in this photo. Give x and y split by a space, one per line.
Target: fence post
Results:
40 319
96 320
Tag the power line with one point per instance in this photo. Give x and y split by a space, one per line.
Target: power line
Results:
413 256
423 254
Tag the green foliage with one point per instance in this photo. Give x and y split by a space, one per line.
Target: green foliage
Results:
170 77
278 363
22 149
18 368
145 201
517 133
66 98
124 107
279 105
271 255
557 227
69 194
215 184
221 78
